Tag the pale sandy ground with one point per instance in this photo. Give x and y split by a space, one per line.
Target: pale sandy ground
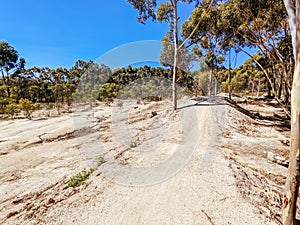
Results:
205 164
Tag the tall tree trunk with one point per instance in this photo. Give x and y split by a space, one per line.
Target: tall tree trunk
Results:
274 85
293 177
229 84
269 87
210 82
216 85
174 78
280 87
175 63
229 77
258 88
287 94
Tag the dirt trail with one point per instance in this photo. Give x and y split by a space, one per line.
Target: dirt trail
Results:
37 157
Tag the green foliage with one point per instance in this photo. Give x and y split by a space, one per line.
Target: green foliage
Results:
238 25
146 9
50 106
4 97
9 60
93 78
85 82
80 178
108 92
245 79
27 107
100 160
203 83
185 57
11 109
239 82
165 12
133 144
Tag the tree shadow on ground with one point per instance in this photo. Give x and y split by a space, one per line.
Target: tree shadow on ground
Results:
282 122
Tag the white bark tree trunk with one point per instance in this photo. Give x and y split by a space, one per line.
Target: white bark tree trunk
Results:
175 63
210 82
293 177
182 45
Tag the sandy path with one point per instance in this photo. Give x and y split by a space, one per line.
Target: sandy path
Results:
202 192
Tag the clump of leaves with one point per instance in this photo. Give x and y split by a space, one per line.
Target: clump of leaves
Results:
37 106
133 144
100 160
11 109
27 106
80 178
108 92
50 106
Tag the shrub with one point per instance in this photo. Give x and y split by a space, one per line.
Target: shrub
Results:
108 92
11 109
133 144
37 106
80 178
27 106
100 160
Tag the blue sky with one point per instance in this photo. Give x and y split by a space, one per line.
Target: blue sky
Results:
58 32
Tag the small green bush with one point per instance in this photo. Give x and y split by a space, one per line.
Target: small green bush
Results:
11 109
37 106
27 107
108 92
80 178
50 106
133 144
100 160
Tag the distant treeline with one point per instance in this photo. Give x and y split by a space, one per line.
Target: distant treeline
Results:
89 81
84 82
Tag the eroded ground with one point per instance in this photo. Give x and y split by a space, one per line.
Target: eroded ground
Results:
205 164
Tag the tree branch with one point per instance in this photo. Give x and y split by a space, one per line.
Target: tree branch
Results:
198 24
291 10
172 3
270 81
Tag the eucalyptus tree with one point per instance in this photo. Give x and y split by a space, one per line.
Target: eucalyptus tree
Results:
9 61
248 78
257 24
44 82
73 79
293 178
206 39
185 60
168 12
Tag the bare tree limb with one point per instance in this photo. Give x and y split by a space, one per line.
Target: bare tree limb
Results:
270 81
291 10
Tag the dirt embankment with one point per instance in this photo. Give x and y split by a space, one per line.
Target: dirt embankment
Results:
206 164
